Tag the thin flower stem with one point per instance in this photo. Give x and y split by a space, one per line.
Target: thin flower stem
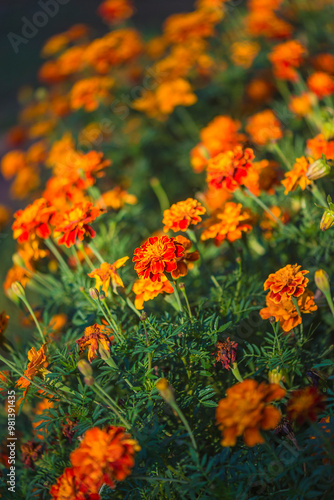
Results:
110 403
76 258
112 319
215 282
178 300
317 195
132 306
185 423
160 194
87 297
87 259
295 303
330 302
52 247
282 156
184 293
26 303
264 206
96 252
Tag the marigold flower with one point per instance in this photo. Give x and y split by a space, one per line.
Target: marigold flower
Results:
264 127
40 411
245 411
244 53
305 404
228 224
26 181
301 104
260 90
55 44
74 223
94 337
264 22
15 273
286 313
107 273
33 221
106 455
116 198
321 84
31 452
214 199
4 216
319 146
229 169
268 223
288 280
324 62
156 256
179 28
183 214
226 352
297 175
115 11
12 163
72 486
285 57
146 289
36 367
88 93
3 323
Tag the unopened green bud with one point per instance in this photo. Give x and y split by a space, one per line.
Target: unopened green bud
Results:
94 293
321 279
18 289
89 380
327 220
104 353
85 368
165 390
319 168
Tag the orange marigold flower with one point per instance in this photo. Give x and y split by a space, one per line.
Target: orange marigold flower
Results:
305 404
36 367
72 486
297 175
116 198
244 53
95 337
15 273
264 127
286 313
74 223
4 216
163 254
288 280
229 169
263 21
107 273
88 92
226 352
321 84
179 28
214 199
318 146
301 104
107 454
146 289
260 90
3 324
26 180
55 44
115 11
33 221
12 163
285 57
40 411
324 62
245 411
183 214
228 224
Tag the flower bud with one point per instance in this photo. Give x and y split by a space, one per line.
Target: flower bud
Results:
102 296
18 289
143 316
327 220
317 169
182 286
94 293
85 368
165 390
104 353
17 260
321 279
275 375
89 380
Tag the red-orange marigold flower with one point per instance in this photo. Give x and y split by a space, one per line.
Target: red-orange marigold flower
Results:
301 104
229 223
226 352
74 223
264 127
94 337
114 11
245 411
318 146
183 214
107 454
289 280
36 367
72 486
305 404
229 169
285 57
297 175
286 313
321 84
33 221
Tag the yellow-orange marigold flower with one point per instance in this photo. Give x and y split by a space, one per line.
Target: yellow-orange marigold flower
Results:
36 367
305 404
264 127
88 93
286 313
179 28
230 168
74 223
15 273
72 485
301 105
245 411
285 58
94 337
262 21
12 163
107 273
228 224
324 62
115 11
321 84
33 221
297 175
288 280
183 214
318 146
107 454
116 198
146 289
244 53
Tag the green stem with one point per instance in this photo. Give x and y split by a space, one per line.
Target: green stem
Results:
185 423
52 247
96 252
317 195
264 206
26 303
236 373
282 156
110 403
183 290
160 194
178 300
87 259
